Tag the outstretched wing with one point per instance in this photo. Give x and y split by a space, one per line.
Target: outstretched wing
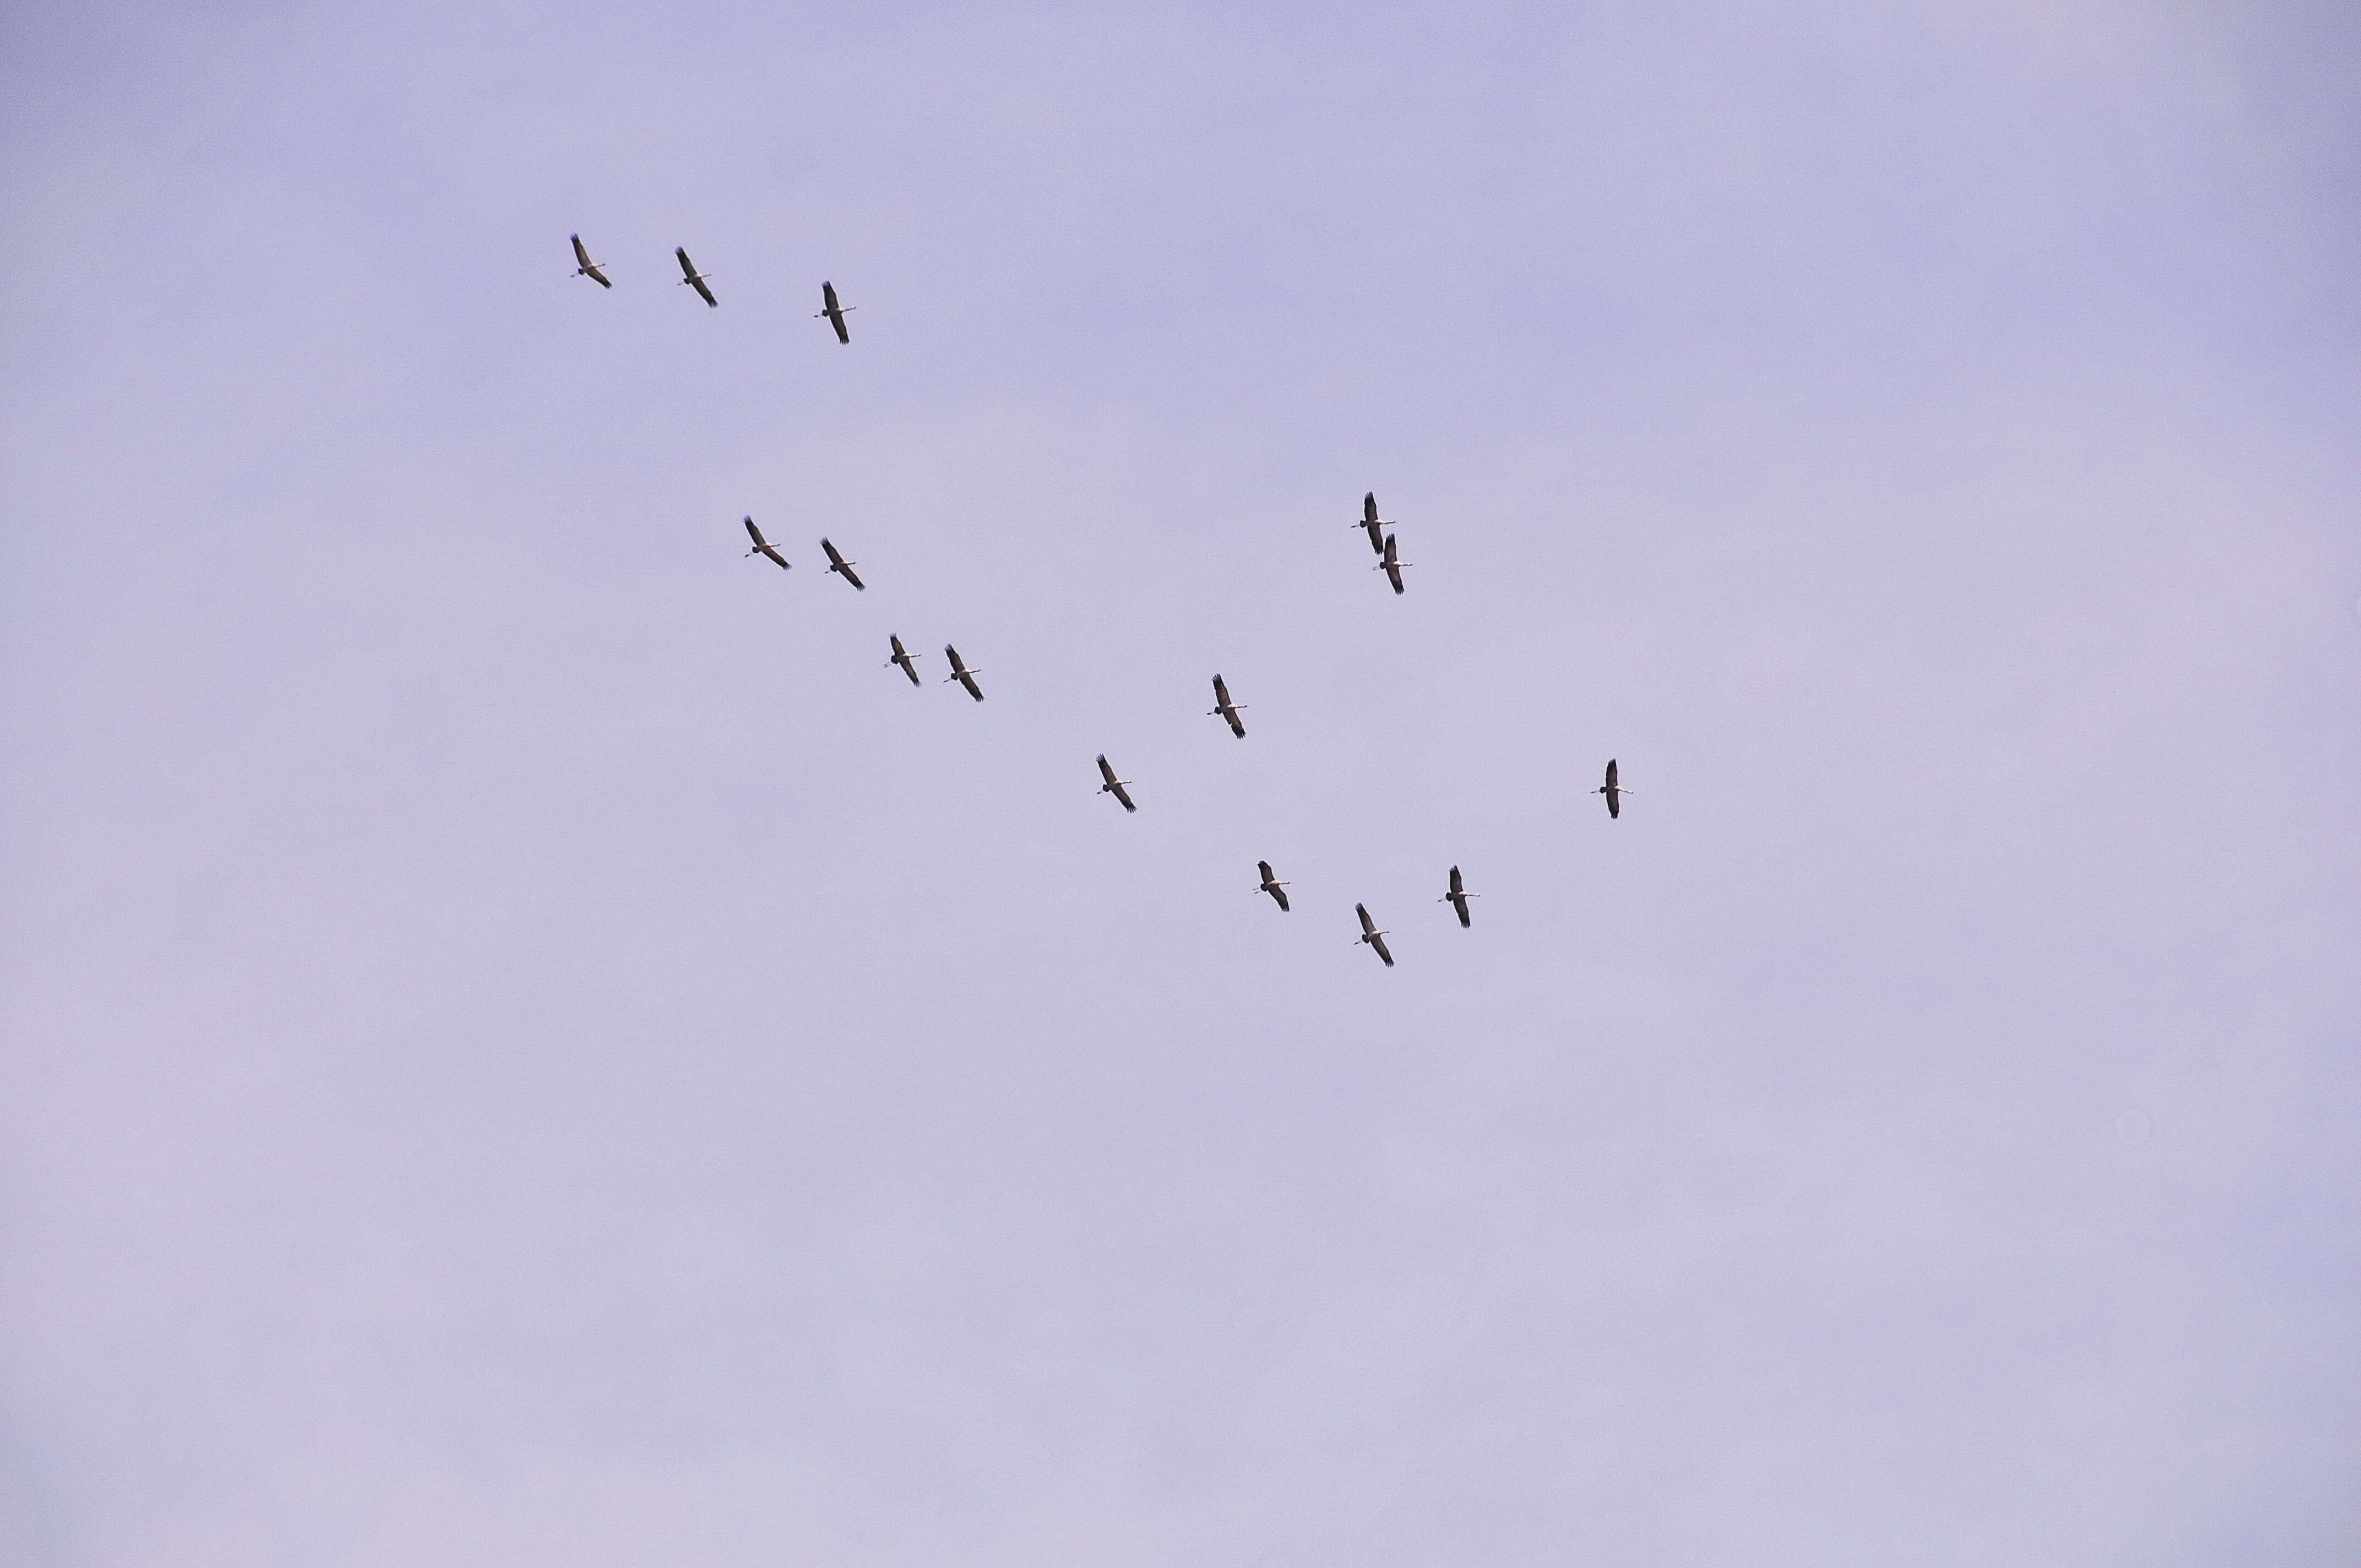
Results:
1369 927
828 298
1264 867
960 673
1369 508
1614 803
838 564
1457 885
1610 772
1114 785
1380 943
589 268
688 275
1281 894
1226 709
765 546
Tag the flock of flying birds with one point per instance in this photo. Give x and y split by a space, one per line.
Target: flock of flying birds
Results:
1381 539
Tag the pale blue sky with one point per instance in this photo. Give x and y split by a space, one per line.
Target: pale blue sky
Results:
524 1044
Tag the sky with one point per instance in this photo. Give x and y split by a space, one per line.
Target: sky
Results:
523 1042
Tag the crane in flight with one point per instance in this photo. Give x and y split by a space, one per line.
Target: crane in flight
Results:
1271 885
1114 785
764 547
962 674
692 277
1224 708
904 658
1458 896
842 567
1393 566
834 311
1613 790
585 268
1372 934
1369 521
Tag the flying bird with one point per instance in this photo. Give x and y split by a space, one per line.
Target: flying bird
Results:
834 311
1613 790
962 674
764 547
1224 708
839 565
1458 896
1393 566
1369 521
1114 785
903 657
585 268
692 277
1271 885
1372 934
